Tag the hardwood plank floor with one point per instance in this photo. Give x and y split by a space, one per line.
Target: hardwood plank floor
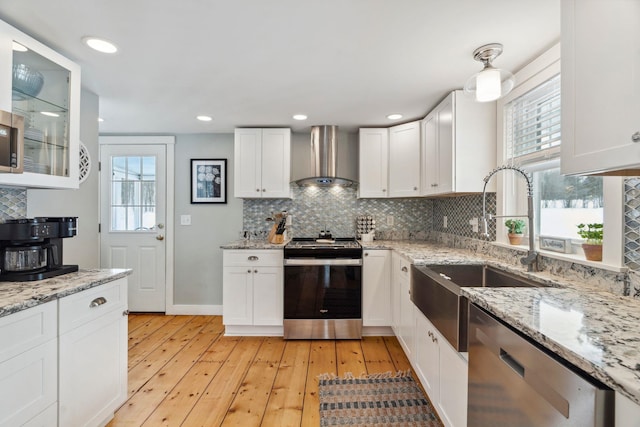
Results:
184 372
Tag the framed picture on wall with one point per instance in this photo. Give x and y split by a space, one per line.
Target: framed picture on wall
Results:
208 180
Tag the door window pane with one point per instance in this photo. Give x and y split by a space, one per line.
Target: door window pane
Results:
133 193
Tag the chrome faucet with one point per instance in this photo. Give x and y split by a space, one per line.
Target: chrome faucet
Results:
531 260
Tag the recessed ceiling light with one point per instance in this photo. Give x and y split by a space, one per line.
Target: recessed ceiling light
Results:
204 118
49 113
394 116
300 117
100 45
19 48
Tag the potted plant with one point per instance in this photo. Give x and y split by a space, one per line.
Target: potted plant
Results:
515 230
592 247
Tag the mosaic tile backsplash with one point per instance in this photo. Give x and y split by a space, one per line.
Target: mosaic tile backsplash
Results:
459 211
335 208
13 203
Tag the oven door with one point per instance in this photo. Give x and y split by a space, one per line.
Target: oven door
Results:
323 289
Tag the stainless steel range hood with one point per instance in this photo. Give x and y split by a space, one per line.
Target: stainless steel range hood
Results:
324 153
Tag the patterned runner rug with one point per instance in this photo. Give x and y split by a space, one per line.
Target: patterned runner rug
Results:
374 400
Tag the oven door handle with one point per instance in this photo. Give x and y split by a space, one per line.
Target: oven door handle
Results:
322 261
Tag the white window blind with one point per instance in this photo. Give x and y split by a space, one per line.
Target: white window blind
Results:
533 123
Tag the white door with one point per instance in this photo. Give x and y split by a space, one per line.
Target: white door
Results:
133 214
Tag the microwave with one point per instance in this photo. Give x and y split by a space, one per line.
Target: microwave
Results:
11 142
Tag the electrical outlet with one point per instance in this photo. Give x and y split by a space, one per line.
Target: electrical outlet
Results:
444 222
185 219
389 219
473 222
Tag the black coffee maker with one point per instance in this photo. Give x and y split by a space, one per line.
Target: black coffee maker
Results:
31 248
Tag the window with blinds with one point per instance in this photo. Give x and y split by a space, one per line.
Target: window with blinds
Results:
532 123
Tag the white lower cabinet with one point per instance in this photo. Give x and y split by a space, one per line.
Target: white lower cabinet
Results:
28 367
403 307
376 288
627 412
93 354
252 291
442 371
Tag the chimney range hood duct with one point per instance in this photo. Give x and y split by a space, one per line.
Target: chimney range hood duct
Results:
324 153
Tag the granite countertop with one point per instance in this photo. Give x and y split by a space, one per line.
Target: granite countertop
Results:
17 296
253 244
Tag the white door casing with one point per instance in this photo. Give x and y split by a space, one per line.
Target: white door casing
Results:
136 225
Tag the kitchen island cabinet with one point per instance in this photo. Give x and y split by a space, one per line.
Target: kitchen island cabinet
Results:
93 354
29 367
252 292
458 146
262 160
51 114
600 99
376 288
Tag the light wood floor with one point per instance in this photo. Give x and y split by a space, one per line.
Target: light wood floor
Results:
184 372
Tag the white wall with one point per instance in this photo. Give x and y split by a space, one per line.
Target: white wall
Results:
82 249
198 257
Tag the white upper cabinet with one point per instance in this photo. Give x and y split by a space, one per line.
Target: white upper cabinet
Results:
600 86
262 163
458 145
390 161
374 162
404 160
43 87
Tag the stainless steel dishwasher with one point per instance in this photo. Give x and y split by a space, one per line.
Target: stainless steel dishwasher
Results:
513 382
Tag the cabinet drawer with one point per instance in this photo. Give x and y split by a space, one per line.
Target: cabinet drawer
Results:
233 258
83 307
27 328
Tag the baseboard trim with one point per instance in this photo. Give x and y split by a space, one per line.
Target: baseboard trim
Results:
377 331
193 309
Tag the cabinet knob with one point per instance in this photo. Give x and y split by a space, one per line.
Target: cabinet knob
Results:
434 185
159 237
384 190
253 258
366 254
415 188
249 271
255 271
263 190
258 190
636 137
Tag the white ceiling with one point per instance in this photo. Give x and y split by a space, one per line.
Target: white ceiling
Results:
258 62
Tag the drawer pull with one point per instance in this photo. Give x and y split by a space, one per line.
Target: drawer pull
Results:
125 313
98 302
253 258
323 311
405 269
635 137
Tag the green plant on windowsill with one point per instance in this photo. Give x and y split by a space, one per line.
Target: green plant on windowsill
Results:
515 230
593 234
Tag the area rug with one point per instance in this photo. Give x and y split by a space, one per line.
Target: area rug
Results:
374 400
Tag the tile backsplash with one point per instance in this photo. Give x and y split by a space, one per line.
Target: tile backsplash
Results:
13 203
336 209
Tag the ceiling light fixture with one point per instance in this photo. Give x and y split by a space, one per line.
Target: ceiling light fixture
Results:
204 118
394 116
19 48
299 117
101 45
491 83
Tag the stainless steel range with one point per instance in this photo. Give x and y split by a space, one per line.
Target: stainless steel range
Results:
323 289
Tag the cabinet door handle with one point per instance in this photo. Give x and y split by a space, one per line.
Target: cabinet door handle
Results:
98 302
253 258
635 137
125 313
405 269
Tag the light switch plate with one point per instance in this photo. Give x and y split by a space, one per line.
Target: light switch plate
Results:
185 219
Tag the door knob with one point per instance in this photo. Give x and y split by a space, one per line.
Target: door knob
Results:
159 237
160 226
635 137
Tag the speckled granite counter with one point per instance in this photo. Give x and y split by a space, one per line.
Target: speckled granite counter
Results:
252 244
17 296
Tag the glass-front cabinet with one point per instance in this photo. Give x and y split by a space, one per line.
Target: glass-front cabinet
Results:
43 87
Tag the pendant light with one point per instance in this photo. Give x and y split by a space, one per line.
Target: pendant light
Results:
491 83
